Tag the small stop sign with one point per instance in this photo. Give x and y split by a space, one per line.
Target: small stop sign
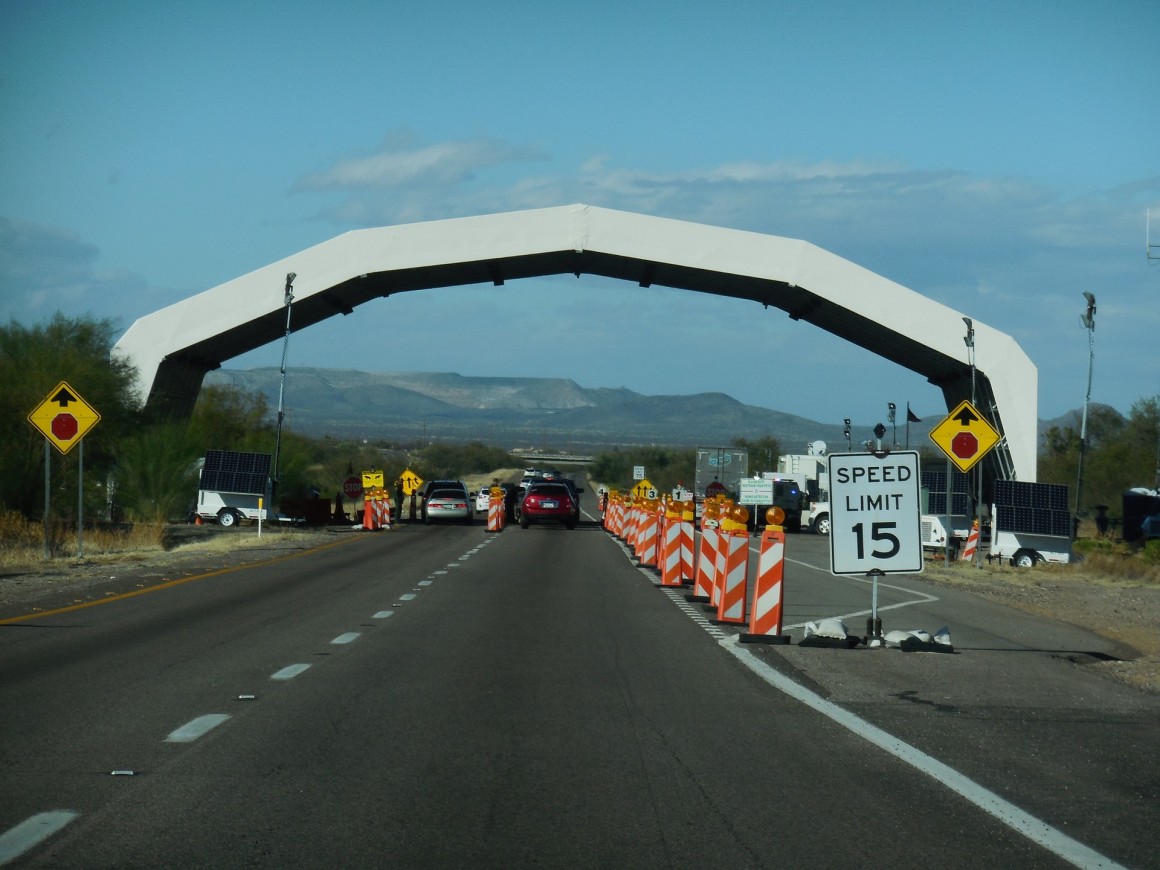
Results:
64 427
352 487
964 445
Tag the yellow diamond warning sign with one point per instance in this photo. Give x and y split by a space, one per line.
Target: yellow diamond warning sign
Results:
64 417
411 482
964 436
644 489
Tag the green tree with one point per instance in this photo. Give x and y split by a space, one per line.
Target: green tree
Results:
229 418
664 467
157 473
763 452
35 359
451 461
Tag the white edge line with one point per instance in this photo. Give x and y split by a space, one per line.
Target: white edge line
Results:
1055 841
31 832
1020 821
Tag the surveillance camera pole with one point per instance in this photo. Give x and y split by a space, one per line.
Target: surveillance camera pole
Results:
1088 320
289 297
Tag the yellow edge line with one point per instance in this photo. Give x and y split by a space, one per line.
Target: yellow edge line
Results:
171 583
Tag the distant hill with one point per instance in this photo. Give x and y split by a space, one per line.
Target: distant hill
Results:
556 413
549 413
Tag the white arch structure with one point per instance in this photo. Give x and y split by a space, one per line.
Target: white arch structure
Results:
173 348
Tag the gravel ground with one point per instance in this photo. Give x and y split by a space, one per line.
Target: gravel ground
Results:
1128 614
1124 613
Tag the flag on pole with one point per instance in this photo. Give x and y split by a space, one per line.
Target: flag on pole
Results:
910 415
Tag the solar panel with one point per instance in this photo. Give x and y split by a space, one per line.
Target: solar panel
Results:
231 471
935 482
1032 508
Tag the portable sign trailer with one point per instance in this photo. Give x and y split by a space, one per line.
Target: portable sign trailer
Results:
1030 523
232 485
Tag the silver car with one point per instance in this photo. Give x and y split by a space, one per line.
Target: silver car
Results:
448 502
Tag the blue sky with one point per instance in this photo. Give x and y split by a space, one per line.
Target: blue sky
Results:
998 157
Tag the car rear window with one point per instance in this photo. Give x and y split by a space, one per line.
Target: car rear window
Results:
448 493
556 489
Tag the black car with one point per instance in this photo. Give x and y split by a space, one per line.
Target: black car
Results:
787 496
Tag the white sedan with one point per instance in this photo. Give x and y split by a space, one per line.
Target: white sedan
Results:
481 500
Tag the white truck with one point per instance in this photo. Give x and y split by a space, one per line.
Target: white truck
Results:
811 466
231 485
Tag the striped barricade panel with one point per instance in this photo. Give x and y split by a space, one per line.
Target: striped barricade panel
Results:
735 582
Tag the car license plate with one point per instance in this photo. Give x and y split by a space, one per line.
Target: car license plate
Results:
549 504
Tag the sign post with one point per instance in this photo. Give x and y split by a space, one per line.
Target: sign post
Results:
64 418
875 519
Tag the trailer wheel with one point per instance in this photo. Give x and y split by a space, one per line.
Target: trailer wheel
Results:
1024 559
227 518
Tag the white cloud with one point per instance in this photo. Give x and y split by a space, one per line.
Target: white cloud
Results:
44 270
441 164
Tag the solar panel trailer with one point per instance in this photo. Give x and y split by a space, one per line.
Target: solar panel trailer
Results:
235 486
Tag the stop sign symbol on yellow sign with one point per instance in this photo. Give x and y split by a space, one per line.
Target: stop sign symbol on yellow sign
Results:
964 436
63 417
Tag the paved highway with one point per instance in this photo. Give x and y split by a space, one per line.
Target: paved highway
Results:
441 696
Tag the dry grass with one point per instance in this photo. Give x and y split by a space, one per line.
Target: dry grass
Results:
22 544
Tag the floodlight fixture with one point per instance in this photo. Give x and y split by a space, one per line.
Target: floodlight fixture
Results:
1088 318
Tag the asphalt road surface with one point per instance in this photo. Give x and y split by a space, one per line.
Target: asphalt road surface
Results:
446 697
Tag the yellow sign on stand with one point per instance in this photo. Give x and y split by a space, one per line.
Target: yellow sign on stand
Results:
644 489
411 482
372 480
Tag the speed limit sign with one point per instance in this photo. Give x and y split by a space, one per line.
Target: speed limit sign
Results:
875 513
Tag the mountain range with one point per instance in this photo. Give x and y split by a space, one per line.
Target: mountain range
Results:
544 413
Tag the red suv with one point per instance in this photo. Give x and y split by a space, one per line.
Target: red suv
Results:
548 502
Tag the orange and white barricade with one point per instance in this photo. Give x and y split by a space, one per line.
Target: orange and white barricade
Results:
646 535
495 511
376 509
734 583
688 513
705 576
615 519
670 545
972 546
765 618
631 521
733 518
